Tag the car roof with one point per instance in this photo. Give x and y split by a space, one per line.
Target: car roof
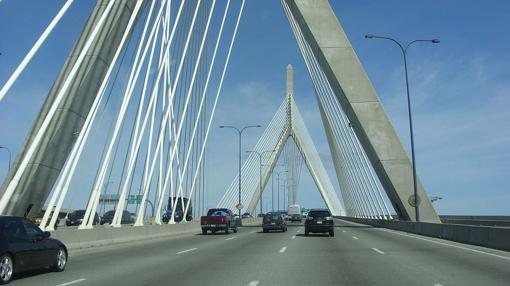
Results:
319 210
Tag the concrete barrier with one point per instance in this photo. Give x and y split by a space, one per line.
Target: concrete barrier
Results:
492 237
105 235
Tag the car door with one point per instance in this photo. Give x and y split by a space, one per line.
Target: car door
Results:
19 243
41 248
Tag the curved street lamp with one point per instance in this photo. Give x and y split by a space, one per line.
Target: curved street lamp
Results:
9 151
240 132
260 171
278 181
404 53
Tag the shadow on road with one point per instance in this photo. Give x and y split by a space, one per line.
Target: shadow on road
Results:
28 274
313 235
353 226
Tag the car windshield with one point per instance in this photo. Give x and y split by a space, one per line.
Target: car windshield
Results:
219 213
109 214
78 213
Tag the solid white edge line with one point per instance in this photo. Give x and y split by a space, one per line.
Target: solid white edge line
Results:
377 250
283 249
230 238
187 250
72 282
253 283
433 241
355 237
293 237
447 244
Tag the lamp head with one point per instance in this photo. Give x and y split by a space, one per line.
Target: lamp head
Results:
435 41
369 36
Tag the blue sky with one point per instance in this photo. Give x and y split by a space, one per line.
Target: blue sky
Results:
460 88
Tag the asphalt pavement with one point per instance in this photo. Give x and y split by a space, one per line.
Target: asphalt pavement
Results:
357 255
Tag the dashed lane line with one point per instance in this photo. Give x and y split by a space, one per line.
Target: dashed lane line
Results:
253 283
283 249
72 282
447 244
230 238
187 250
355 237
293 237
377 250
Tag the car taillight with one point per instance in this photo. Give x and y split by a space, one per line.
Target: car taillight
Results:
329 218
223 219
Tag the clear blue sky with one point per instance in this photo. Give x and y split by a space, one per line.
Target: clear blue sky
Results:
460 88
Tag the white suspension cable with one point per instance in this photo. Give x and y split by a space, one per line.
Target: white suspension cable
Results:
12 79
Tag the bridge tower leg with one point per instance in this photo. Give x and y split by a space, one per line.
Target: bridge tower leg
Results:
44 167
359 101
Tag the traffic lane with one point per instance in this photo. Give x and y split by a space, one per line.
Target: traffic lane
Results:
434 261
107 259
239 261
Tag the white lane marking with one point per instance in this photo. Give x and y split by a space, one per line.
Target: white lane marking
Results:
293 237
447 244
253 232
377 250
283 249
253 283
72 282
299 230
437 284
230 238
344 231
187 250
355 237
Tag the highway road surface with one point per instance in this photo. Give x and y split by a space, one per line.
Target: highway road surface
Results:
357 255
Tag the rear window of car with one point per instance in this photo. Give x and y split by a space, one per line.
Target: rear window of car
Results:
319 214
268 218
217 213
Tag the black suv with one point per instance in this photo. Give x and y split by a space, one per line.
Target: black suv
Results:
319 220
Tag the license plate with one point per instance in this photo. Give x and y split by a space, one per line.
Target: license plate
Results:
212 225
273 223
319 222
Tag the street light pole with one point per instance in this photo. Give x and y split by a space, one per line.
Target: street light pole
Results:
9 151
260 172
404 53
240 132
278 181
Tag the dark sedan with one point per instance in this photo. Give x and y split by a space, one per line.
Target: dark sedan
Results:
274 221
23 246
76 218
125 219
320 221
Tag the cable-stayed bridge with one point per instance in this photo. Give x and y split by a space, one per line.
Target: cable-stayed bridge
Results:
143 82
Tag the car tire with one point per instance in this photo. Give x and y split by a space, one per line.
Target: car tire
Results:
227 231
6 268
204 231
264 230
331 233
235 230
60 260
213 231
306 233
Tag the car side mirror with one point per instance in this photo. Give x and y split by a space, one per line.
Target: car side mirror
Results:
46 234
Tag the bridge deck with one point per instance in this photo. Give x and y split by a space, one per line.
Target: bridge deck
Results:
357 255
